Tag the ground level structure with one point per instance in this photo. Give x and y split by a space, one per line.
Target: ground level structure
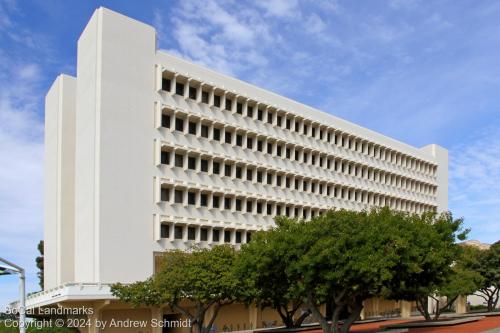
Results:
93 302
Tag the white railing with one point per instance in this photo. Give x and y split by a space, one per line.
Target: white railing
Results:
67 291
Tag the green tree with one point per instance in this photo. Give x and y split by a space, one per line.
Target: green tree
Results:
345 257
203 277
39 264
427 254
461 281
487 264
263 264
348 257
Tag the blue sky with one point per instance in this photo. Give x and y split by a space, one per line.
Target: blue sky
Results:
420 71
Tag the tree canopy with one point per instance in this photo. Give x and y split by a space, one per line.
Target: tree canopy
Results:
342 258
190 283
487 264
338 259
427 258
263 264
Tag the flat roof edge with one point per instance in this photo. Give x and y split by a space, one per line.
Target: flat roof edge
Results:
288 104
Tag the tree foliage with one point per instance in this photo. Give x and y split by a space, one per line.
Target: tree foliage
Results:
338 259
487 264
460 281
342 258
426 269
263 265
348 257
39 264
190 283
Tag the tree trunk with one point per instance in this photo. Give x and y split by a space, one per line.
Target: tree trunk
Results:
319 317
438 309
423 307
215 312
449 303
353 316
490 296
495 298
300 320
335 316
285 316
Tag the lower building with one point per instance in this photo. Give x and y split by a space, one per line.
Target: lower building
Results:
147 152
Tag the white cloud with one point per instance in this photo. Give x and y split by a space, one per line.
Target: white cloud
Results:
21 154
21 175
5 7
215 36
475 164
314 24
279 8
247 40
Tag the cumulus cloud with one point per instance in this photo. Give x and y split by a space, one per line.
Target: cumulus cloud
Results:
254 41
219 34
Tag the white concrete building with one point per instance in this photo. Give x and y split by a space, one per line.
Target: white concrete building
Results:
146 152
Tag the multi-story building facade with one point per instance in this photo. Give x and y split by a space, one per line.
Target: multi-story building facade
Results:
147 152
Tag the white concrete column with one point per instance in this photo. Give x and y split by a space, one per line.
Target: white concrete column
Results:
198 92
197 198
264 114
173 84
233 198
198 128
223 101
223 134
245 107
255 110
223 235
233 236
210 235
233 137
186 88
197 234
211 94
185 232
244 136
234 103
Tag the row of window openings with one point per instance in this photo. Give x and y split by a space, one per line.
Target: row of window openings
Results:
340 140
233 170
271 148
178 233
227 202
